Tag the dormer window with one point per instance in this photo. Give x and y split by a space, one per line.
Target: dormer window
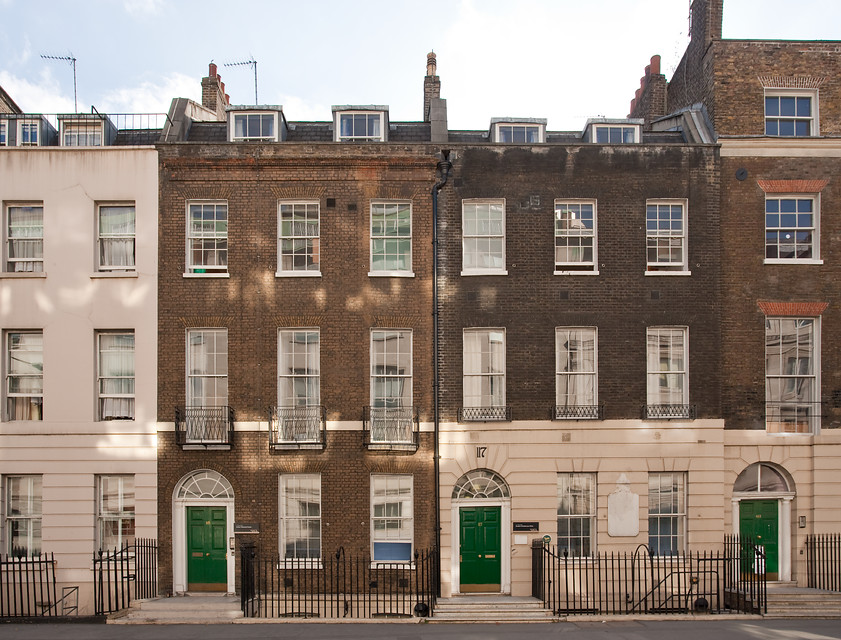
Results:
360 125
616 134
518 132
254 127
791 113
81 134
28 133
3 142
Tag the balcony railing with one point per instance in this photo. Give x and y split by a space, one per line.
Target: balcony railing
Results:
792 417
391 428
297 428
668 412
578 412
204 426
484 414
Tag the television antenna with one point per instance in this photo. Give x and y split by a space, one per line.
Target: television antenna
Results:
72 60
251 62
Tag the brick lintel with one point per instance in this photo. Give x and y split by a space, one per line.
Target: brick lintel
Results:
792 309
792 186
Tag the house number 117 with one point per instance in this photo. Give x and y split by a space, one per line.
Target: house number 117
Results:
480 452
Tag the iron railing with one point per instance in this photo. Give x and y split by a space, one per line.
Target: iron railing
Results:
27 586
120 575
484 414
391 428
668 412
205 426
337 586
618 583
578 412
297 428
823 561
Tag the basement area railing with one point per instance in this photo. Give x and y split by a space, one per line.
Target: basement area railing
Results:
823 561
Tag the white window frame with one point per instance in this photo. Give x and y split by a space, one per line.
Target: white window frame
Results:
10 263
656 374
389 234
577 505
485 370
792 379
813 229
655 237
623 129
311 371
299 234
581 208
126 378
515 128
32 512
232 130
219 240
288 519
659 511
564 359
394 372
472 241
4 133
28 123
215 375
813 120
104 238
36 403
121 514
73 130
364 137
391 525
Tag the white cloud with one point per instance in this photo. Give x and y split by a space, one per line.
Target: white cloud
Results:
150 97
143 8
41 96
297 109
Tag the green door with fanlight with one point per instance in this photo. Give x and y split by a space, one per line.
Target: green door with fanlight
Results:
480 546
207 553
758 522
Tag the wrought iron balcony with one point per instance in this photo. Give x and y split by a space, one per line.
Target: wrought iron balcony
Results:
391 428
204 426
668 412
297 428
792 417
578 412
484 414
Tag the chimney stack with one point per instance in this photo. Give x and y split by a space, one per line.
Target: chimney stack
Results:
213 92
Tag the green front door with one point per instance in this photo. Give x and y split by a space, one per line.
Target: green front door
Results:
206 549
758 522
480 546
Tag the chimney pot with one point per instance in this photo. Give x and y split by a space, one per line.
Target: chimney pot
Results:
655 65
211 70
431 64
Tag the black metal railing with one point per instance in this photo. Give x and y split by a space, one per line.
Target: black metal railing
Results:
668 411
484 414
620 583
297 427
120 575
578 412
27 586
391 428
204 425
337 586
823 561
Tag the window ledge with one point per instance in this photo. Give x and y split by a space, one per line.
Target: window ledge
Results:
114 274
297 274
391 274
668 273
576 273
23 274
792 261
485 272
219 274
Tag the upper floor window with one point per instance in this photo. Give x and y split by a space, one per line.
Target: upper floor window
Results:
791 229
207 367
299 368
115 237
483 237
575 236
518 133
792 390
667 368
665 235
391 368
483 382
391 238
28 133
24 238
299 242
23 515
791 114
3 125
254 127
576 387
115 512
24 375
615 134
207 237
360 126
81 134
115 375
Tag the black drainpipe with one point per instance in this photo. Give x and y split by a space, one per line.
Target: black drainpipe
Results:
443 167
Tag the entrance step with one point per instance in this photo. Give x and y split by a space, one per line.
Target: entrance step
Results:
788 601
496 608
192 608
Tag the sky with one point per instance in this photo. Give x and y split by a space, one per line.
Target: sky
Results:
563 60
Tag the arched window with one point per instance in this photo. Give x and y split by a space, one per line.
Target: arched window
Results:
760 478
204 484
480 483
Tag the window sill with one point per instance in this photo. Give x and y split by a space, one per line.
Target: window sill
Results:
219 274
297 274
792 261
485 272
576 273
114 274
23 274
391 274
668 273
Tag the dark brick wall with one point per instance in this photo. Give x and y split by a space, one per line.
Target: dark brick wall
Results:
530 301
